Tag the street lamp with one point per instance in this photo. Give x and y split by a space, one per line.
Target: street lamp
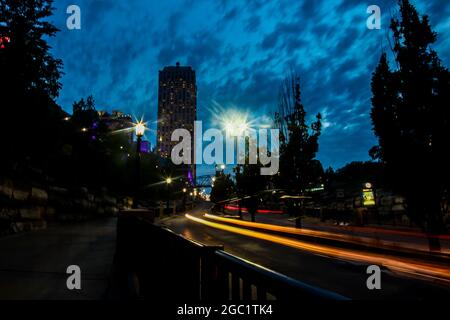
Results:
168 182
235 123
139 130
184 198
220 168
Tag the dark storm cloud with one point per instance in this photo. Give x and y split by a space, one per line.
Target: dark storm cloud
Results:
230 15
252 23
241 50
282 33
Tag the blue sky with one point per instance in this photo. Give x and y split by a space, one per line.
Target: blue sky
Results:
240 50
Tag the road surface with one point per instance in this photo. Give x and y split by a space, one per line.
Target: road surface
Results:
341 276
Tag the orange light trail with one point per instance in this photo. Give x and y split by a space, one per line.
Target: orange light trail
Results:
399 265
365 229
323 234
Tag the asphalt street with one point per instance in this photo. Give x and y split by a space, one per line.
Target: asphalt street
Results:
341 276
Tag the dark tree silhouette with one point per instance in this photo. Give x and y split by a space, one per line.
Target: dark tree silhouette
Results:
298 166
411 118
249 182
356 173
223 187
29 83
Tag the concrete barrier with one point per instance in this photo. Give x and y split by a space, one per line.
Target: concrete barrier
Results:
21 194
39 196
24 207
6 188
32 212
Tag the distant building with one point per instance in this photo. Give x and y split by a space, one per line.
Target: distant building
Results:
117 120
177 108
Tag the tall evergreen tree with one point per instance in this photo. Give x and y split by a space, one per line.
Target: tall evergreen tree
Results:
298 166
411 118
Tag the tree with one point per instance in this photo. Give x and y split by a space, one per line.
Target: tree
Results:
223 187
298 166
29 83
84 114
411 119
354 174
249 182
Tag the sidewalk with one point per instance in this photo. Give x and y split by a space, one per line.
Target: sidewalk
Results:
370 235
33 264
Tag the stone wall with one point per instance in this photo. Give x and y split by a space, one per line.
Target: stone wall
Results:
24 207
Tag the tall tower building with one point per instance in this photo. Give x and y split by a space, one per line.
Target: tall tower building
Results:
177 108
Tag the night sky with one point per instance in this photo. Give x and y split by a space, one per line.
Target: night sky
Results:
240 50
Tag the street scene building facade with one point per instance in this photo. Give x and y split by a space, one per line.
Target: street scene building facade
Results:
177 108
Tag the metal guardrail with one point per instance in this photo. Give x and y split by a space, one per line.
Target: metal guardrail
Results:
249 281
166 265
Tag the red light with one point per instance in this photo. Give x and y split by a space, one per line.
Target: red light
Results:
4 40
234 208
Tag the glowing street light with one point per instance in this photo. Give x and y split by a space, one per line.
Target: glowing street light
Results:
184 199
235 123
220 168
139 128
168 182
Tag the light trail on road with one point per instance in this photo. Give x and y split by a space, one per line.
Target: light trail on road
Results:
234 208
364 229
324 234
409 267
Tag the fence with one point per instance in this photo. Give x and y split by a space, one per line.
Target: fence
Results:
163 265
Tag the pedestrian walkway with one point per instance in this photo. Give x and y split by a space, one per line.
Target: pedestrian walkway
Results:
33 265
